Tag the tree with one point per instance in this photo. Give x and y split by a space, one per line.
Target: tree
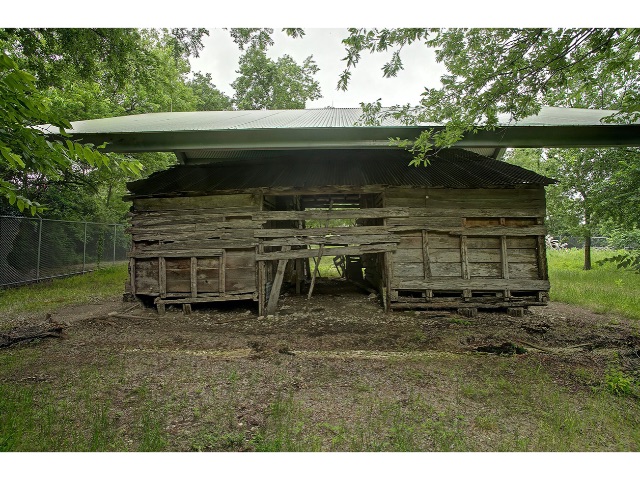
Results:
265 84
82 74
500 71
25 152
208 97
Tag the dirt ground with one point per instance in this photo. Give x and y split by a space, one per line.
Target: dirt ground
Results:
225 357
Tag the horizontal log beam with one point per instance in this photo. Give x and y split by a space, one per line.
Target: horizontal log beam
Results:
484 284
332 240
333 214
329 252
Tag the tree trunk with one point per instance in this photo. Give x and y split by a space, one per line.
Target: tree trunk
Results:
587 253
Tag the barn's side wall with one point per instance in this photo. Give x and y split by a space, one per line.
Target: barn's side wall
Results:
468 247
194 247
421 247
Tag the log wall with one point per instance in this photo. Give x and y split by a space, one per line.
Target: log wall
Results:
468 247
422 247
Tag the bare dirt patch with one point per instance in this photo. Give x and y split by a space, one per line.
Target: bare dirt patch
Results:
220 377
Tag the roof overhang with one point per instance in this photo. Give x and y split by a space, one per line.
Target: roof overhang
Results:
225 134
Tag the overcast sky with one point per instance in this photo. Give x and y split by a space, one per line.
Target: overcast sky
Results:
220 58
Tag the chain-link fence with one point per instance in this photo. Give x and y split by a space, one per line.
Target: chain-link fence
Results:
33 249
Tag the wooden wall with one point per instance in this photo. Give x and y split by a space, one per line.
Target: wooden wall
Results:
194 247
424 247
468 246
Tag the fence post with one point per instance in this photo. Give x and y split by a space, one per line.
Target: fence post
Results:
84 249
39 250
115 232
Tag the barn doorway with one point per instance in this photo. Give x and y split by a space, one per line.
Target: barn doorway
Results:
329 242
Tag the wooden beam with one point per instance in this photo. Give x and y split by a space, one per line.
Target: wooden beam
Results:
315 272
194 277
286 254
425 255
277 283
503 257
541 254
464 257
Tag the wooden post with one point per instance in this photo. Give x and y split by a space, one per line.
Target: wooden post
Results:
277 284
162 276
425 255
503 257
315 271
464 257
194 277
541 253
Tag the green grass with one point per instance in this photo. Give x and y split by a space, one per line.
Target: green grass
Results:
604 289
46 296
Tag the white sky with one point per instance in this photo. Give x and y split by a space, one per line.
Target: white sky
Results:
220 54
220 58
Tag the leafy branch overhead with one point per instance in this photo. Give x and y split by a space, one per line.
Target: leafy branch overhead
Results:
24 148
493 72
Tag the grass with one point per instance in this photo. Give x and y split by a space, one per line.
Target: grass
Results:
46 296
604 289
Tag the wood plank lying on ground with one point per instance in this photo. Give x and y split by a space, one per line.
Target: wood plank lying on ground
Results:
21 334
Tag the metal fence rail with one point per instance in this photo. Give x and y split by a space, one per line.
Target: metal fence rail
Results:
33 249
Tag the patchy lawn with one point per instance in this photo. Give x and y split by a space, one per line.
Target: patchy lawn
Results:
333 374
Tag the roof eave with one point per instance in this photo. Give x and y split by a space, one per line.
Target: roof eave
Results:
360 138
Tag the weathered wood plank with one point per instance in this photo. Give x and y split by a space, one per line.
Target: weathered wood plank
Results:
334 240
196 202
277 283
307 232
482 284
312 252
330 214
194 276
479 255
426 260
504 259
176 253
162 276
523 270
464 259
541 258
485 270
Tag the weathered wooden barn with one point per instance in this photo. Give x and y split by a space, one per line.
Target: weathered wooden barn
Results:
258 194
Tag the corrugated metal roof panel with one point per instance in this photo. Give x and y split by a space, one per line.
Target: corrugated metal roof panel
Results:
311 118
453 168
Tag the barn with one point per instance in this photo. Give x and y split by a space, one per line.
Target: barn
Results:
258 197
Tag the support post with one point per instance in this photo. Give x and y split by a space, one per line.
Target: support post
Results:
84 249
315 272
115 232
39 250
277 284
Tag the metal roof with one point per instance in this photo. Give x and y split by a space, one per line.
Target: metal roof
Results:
228 133
453 168
310 118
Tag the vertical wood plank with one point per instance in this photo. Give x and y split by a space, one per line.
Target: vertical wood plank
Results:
162 276
194 277
315 271
277 284
464 257
261 280
223 267
503 257
541 253
425 255
132 274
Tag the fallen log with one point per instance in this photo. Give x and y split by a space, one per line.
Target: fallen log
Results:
22 334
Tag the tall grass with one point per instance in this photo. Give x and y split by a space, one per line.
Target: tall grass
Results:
603 289
42 297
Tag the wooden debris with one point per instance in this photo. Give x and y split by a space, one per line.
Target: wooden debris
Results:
23 334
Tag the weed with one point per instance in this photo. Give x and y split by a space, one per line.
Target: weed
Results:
617 382
460 321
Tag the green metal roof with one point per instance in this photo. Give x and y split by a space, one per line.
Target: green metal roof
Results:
225 134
